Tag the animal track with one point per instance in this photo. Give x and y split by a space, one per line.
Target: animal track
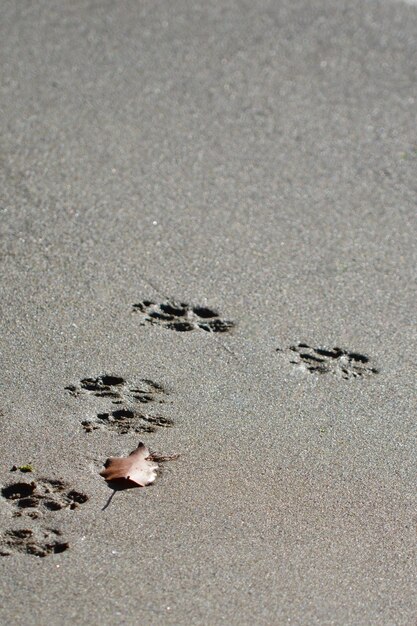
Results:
335 361
126 417
35 542
182 317
118 390
36 498
124 421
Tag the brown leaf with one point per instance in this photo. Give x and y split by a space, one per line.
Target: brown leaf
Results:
136 470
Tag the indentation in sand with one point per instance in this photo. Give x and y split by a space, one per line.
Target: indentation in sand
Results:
182 317
336 361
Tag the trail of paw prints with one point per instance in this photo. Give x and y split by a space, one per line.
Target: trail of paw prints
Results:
182 317
336 361
124 404
38 499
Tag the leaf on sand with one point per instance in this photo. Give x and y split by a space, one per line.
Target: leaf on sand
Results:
135 470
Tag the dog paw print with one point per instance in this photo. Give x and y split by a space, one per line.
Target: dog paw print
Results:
38 497
35 542
123 404
124 421
182 317
336 361
118 390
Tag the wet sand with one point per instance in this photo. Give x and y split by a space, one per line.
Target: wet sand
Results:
258 160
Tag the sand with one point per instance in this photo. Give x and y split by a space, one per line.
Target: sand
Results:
257 158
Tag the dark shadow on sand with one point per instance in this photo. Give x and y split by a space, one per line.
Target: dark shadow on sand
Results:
121 484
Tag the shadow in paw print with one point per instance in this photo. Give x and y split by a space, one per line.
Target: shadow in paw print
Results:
39 542
337 361
182 317
43 495
127 396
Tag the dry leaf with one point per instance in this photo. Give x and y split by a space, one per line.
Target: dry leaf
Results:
136 470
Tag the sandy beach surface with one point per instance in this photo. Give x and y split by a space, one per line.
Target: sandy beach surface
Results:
256 161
